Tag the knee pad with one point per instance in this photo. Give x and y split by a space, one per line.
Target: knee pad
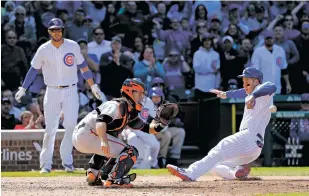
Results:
124 162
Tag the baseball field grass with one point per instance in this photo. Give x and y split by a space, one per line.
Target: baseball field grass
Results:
263 181
255 171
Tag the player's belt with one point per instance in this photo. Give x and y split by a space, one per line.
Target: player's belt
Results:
66 86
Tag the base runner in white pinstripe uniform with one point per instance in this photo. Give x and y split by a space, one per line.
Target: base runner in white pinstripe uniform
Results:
229 158
59 59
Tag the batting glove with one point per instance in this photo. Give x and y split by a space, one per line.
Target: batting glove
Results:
20 93
98 93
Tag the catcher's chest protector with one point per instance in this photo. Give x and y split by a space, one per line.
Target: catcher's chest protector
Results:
124 163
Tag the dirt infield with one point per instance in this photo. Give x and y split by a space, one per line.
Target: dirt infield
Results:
153 185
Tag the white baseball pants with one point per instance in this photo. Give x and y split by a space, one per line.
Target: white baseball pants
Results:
55 101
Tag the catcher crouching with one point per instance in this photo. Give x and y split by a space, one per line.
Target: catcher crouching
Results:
98 133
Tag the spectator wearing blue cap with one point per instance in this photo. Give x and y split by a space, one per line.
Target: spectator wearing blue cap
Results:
270 59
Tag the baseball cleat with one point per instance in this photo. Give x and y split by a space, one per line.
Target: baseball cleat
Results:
243 172
44 171
112 184
179 172
69 168
93 177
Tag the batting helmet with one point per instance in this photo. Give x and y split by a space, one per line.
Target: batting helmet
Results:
156 91
55 23
157 80
252 72
130 85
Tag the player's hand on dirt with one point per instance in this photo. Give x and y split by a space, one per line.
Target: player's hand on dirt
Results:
250 101
20 93
220 94
98 93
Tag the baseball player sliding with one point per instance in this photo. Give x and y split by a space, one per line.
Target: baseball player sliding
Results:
59 59
98 133
229 158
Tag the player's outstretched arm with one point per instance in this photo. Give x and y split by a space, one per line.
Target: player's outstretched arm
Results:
27 82
266 88
239 93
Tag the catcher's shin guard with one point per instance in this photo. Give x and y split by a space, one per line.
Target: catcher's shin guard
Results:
124 162
107 168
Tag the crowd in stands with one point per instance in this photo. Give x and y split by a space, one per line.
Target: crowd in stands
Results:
193 46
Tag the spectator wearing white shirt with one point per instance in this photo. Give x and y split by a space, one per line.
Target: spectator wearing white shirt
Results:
99 46
206 64
270 59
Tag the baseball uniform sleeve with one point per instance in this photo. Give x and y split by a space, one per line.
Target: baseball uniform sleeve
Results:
78 55
38 59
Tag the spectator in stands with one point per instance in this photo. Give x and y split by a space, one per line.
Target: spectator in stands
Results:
111 63
99 45
185 25
138 48
302 72
148 67
109 22
215 27
175 38
97 11
291 52
14 110
8 121
176 68
245 52
196 42
235 33
63 14
290 31
206 64
270 59
77 30
28 122
26 32
13 61
130 23
88 22
230 65
8 12
233 18
200 16
180 10
161 16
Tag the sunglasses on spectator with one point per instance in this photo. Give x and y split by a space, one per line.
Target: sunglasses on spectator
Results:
11 37
173 55
289 19
19 14
98 33
56 30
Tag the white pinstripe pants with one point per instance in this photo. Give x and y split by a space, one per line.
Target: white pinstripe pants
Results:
55 101
234 150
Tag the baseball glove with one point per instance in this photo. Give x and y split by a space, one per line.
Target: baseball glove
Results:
166 112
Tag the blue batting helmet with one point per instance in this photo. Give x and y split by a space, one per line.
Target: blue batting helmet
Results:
156 91
252 72
55 23
157 80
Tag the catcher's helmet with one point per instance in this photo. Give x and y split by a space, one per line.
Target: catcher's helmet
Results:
157 80
156 91
55 23
130 85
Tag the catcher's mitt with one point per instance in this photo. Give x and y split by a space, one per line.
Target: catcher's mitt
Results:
166 112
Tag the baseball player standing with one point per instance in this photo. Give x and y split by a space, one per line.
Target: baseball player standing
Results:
59 59
229 158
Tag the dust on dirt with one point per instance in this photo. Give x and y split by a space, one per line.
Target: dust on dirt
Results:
154 185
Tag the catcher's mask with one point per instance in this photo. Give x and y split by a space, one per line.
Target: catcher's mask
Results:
156 91
127 89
